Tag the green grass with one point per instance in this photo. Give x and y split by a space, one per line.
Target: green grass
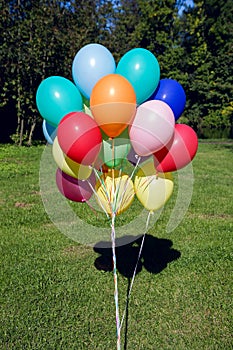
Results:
53 296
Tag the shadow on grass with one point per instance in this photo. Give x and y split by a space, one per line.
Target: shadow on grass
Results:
155 256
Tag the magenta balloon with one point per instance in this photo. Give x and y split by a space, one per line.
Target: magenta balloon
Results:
152 127
74 189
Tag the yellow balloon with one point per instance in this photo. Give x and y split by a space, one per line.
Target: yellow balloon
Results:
67 165
115 192
153 189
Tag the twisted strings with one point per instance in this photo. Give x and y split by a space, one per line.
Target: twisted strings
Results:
136 266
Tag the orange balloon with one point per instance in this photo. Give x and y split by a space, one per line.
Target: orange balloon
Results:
113 104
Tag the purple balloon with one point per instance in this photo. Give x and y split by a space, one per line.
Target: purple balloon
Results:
133 157
172 93
74 189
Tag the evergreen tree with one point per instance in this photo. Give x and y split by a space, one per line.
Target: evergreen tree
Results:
40 38
206 38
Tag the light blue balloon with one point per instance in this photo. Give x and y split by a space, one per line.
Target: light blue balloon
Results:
141 68
57 96
49 132
91 63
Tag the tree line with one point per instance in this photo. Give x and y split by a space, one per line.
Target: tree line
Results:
193 45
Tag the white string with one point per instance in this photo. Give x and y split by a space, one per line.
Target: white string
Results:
136 266
99 201
127 183
118 327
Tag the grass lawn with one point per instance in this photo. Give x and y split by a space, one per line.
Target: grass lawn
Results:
55 294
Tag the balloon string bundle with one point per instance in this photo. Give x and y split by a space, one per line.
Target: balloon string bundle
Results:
127 182
113 239
114 209
136 266
96 195
115 206
118 328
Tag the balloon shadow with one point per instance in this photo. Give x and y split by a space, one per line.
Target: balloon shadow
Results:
156 254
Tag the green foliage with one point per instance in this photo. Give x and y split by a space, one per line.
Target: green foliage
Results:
40 39
206 31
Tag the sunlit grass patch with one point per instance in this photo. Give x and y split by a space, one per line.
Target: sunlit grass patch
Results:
53 296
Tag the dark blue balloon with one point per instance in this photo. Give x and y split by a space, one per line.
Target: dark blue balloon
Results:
172 93
49 131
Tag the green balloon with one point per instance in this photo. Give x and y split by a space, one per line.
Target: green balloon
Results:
115 151
141 68
57 96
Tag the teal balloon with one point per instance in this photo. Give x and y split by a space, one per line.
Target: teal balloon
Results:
57 96
115 151
141 68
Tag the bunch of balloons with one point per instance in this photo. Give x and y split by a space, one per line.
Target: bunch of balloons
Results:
110 115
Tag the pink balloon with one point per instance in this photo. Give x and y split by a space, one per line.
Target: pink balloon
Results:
74 189
180 152
152 127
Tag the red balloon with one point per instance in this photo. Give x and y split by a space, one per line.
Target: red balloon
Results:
161 154
74 189
79 137
180 152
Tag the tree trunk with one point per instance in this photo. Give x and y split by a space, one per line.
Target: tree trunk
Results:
21 132
33 126
20 121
